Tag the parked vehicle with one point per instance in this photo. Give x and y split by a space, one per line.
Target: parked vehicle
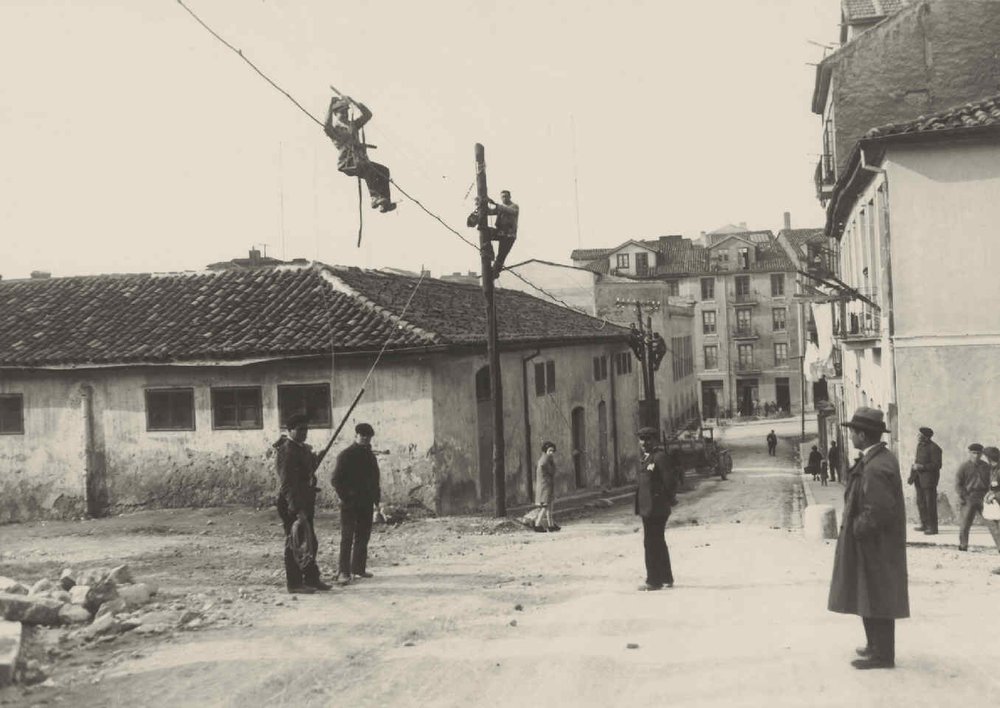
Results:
698 449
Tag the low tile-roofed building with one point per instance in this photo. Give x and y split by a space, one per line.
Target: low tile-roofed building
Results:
976 114
799 239
855 11
245 313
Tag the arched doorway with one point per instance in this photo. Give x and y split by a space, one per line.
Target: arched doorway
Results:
484 433
577 421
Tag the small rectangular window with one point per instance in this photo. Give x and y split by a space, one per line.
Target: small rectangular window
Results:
170 409
623 261
708 322
311 399
742 284
778 315
780 354
708 288
540 379
11 414
712 357
236 408
777 284
623 363
550 377
673 287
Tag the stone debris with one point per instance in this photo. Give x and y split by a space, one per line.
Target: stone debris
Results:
10 650
11 586
67 578
73 614
121 575
42 587
29 610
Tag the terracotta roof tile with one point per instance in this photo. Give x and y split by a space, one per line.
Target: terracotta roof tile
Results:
978 114
239 314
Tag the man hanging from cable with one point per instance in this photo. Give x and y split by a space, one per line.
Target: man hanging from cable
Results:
353 161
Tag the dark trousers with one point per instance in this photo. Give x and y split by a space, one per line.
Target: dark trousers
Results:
294 575
504 245
927 507
966 516
658 570
376 177
771 448
355 530
881 636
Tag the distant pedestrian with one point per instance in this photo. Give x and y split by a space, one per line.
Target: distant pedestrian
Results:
657 485
296 466
772 443
823 473
925 473
869 568
545 481
815 458
833 455
356 480
991 501
971 483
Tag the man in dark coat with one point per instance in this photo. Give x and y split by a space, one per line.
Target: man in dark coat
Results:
869 568
296 466
356 480
834 457
772 443
971 484
657 478
925 473
353 153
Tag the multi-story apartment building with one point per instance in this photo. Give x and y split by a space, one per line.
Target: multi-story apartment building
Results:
900 59
747 340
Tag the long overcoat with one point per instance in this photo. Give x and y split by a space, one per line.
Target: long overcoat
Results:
929 457
869 568
657 485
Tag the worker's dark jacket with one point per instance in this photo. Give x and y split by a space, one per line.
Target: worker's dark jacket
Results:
296 464
929 458
972 481
356 477
869 566
657 480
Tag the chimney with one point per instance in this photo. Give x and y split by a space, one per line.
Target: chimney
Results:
254 256
788 221
40 274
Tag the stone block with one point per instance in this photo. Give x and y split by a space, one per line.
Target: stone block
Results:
11 586
134 595
73 614
121 575
10 650
819 521
30 610
42 587
67 578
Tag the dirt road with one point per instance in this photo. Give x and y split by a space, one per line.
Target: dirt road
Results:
463 612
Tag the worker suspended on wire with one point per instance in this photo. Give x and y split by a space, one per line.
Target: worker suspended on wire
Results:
353 160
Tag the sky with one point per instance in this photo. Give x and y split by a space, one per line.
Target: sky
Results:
131 140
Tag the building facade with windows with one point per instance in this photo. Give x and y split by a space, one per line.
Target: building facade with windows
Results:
746 338
914 217
140 391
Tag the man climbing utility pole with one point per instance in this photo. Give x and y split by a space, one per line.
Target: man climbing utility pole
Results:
649 349
496 390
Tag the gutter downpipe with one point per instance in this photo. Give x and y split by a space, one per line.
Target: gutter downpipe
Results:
615 471
87 411
887 260
527 424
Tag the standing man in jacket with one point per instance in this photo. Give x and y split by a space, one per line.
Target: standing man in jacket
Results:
925 473
296 466
356 481
772 443
869 567
971 484
834 457
654 496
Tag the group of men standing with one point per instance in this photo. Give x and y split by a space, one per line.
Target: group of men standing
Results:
355 479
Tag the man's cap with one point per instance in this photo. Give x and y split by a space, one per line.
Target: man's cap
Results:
992 454
648 432
547 444
296 419
364 429
504 191
927 432
975 447
869 419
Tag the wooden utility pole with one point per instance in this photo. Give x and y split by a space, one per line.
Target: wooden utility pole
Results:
649 409
496 389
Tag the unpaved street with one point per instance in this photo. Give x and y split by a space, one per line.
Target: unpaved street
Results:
467 611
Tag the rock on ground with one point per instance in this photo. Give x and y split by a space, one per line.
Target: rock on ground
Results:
29 610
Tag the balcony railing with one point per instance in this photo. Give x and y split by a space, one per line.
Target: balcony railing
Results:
825 176
748 298
744 333
747 367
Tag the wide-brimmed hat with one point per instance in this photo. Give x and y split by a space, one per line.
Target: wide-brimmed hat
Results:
992 454
870 419
927 432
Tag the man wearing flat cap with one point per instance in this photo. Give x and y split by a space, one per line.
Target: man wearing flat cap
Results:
296 466
925 473
654 495
869 567
356 481
971 484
